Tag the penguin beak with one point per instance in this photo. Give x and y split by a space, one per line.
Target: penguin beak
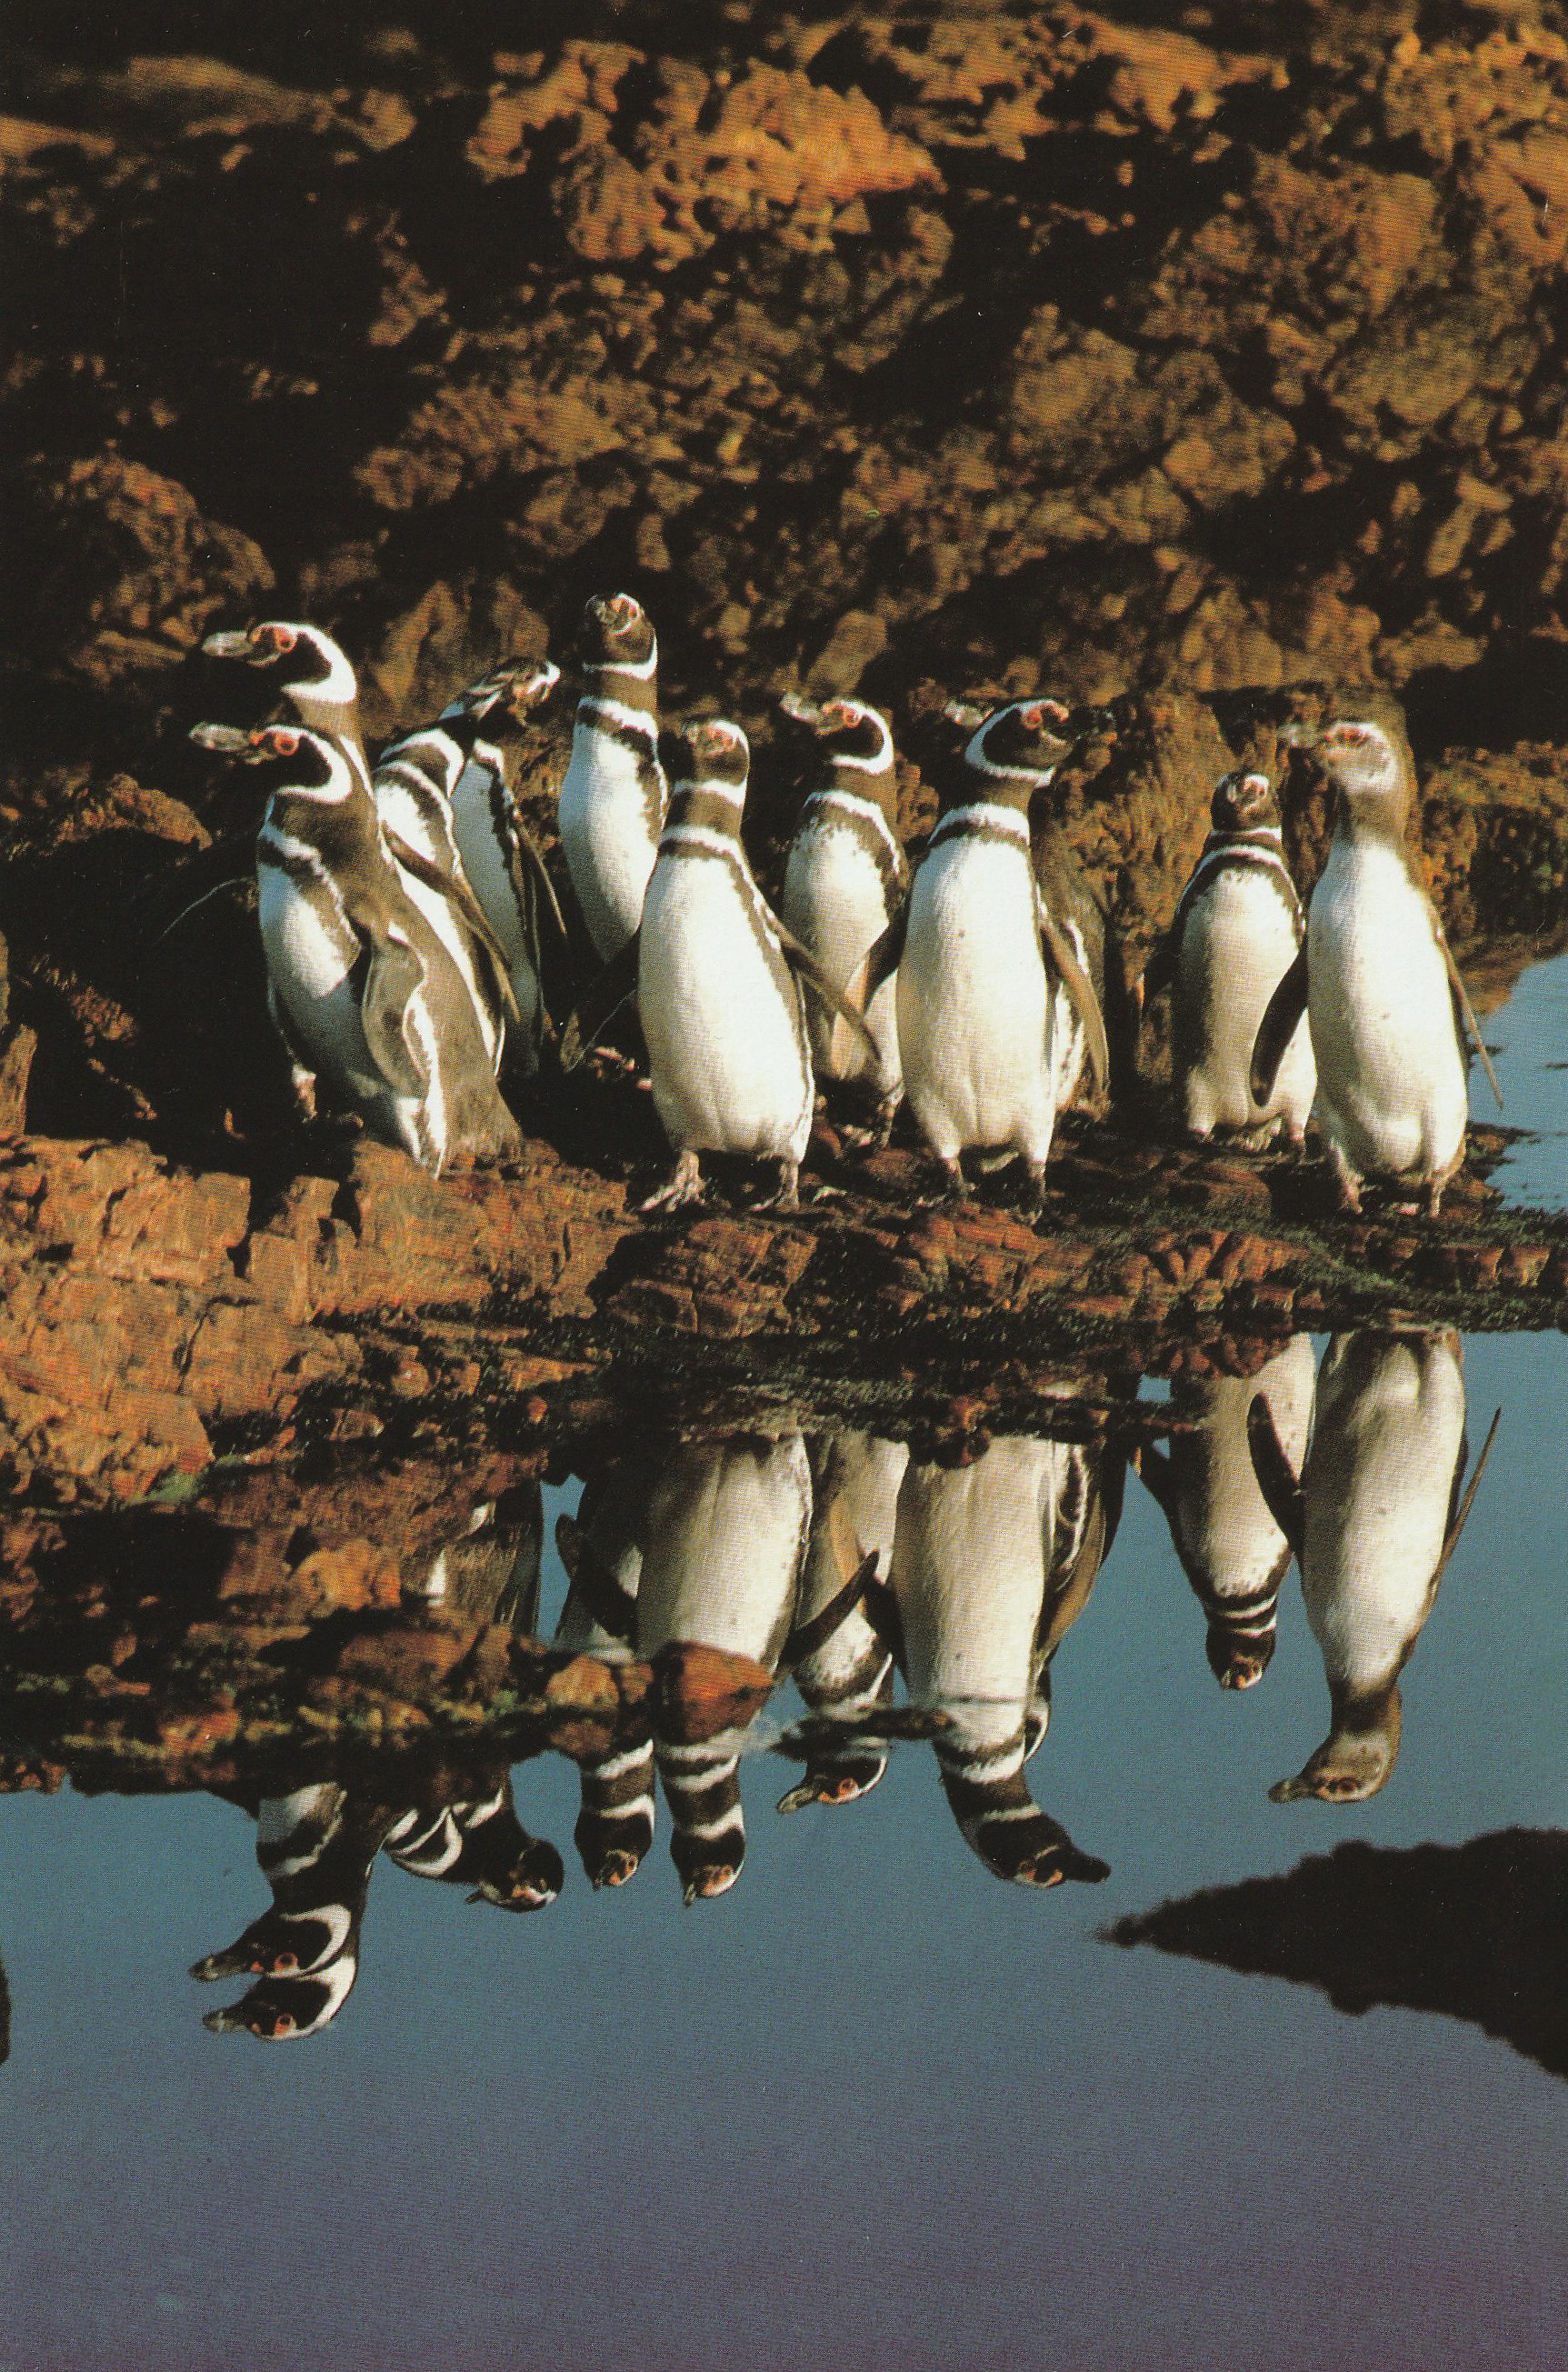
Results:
237 645
229 740
795 705
1299 736
964 713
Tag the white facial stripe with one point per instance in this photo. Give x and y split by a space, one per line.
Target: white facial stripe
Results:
884 756
338 684
337 1919
615 712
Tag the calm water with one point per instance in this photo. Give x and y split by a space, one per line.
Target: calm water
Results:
873 2106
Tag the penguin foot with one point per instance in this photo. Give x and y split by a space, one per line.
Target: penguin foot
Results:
683 1185
1031 1201
956 1187
1434 1197
787 1195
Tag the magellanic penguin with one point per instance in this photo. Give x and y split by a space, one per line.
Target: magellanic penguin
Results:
1378 984
972 1555
721 1005
1373 1522
316 1848
614 796
846 877
315 684
477 1840
1237 932
601 1548
991 987
364 994
847 1673
726 1531
1231 1549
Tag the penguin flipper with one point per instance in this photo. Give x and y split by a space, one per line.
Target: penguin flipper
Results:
529 861
809 1638
394 972
607 995
1277 1479
1281 1020
1462 999
612 1607
801 961
1459 1513
882 1614
1080 989
882 959
454 889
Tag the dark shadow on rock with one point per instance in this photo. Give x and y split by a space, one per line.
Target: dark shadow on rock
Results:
1478 1931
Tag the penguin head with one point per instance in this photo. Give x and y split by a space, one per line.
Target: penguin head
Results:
840 1777
1238 1660
710 760
1357 1758
310 665
287 2009
1244 802
618 636
855 739
1012 751
287 756
1363 765
506 694
530 1882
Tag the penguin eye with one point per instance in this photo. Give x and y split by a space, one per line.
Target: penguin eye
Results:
282 2024
282 743
1033 717
283 639
287 1964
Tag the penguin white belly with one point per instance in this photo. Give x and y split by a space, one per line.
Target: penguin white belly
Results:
974 1003
726 1531
835 901
721 1013
479 842
968 1573
1376 1502
1237 944
609 836
1222 1519
1391 1088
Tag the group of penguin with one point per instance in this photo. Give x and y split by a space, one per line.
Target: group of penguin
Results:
410 924
846 1560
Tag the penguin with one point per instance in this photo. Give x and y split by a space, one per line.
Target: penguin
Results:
614 796
1231 1549
315 685
1236 931
1378 984
974 1552
1373 1522
315 1848
855 1479
478 1842
602 1549
364 993
726 1531
719 982
500 855
846 877
992 989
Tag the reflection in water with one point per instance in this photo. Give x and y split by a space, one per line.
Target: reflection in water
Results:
1231 1548
1479 1931
856 1479
1373 1520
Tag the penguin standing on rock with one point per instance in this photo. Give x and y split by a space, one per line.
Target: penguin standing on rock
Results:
1373 1522
846 877
1378 984
614 796
364 993
721 1005
1238 930
992 988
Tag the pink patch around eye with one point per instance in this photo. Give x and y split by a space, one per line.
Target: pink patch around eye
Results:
282 744
284 638
1033 717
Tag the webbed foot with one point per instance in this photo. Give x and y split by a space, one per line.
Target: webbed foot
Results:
683 1185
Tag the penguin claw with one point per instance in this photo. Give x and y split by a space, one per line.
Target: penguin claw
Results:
683 1186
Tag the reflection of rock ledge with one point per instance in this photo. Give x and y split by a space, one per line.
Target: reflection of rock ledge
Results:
155 1314
1478 1931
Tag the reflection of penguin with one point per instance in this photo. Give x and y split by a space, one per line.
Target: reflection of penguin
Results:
478 1842
1236 934
973 1555
602 1549
316 1849
1374 1522
1232 1551
726 1531
1378 984
855 1498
